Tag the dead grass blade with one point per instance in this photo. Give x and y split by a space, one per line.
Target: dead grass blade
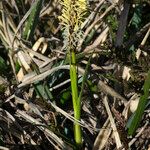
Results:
112 122
42 127
102 138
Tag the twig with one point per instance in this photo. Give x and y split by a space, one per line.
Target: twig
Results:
94 23
138 52
4 148
48 132
113 125
42 76
102 137
68 116
92 15
59 85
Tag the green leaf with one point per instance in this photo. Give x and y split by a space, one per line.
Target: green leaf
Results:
65 96
141 106
84 79
90 36
3 65
137 17
93 88
32 20
17 66
40 90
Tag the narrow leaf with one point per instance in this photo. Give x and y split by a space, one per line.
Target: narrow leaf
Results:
32 20
141 106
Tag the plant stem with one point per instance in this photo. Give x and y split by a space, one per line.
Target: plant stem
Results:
76 101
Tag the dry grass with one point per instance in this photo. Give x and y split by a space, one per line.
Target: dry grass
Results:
32 115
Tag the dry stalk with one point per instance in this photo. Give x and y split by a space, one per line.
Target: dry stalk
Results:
112 122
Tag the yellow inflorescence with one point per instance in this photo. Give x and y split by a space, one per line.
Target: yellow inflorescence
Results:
73 14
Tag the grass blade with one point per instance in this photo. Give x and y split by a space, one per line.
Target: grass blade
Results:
32 20
84 78
141 106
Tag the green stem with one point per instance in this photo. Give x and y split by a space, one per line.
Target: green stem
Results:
76 101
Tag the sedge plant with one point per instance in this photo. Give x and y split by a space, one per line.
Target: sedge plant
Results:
73 14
